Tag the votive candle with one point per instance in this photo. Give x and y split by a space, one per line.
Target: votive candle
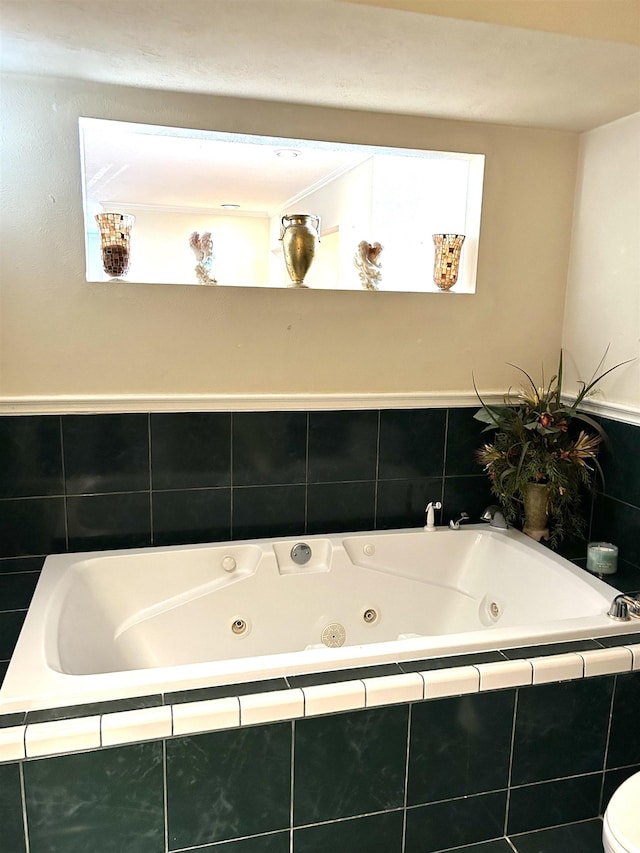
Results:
602 558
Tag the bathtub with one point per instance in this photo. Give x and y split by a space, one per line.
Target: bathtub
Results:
108 625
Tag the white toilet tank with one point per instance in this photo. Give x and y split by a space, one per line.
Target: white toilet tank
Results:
621 826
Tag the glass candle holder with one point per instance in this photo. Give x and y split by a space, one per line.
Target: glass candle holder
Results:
602 558
447 259
115 236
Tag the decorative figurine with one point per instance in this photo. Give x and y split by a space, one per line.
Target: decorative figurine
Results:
368 265
203 250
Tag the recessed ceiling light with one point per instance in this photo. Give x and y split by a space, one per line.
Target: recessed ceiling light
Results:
287 153
230 206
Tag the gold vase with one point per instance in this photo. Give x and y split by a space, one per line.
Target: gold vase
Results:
115 235
447 259
536 510
300 235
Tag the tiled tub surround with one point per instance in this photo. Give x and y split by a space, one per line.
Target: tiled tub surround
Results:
66 484
432 755
83 482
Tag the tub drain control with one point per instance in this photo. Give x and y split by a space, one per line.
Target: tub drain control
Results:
301 553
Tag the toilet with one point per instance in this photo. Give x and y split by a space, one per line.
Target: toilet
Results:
621 825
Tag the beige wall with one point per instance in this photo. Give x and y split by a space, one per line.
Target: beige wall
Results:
61 335
603 294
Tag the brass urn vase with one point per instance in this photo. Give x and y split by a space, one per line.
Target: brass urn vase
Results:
300 234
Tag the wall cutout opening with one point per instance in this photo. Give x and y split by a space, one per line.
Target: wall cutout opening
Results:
179 182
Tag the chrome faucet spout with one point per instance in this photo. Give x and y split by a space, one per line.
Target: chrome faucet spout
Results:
493 514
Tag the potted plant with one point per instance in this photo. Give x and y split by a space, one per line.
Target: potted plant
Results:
543 455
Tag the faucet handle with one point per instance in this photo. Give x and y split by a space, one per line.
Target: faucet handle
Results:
455 525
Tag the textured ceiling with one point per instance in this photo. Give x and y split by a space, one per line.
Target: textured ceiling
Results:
356 55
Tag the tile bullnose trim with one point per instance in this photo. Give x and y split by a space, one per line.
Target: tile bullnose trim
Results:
120 404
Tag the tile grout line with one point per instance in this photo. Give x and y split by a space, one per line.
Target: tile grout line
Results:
292 780
23 798
165 793
64 486
149 452
231 475
377 472
406 776
510 772
305 526
606 743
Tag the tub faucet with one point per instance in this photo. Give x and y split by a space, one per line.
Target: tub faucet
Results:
493 514
430 526
455 525
624 607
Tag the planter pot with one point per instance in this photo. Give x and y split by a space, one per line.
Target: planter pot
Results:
536 514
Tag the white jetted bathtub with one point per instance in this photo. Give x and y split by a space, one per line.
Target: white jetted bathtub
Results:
107 625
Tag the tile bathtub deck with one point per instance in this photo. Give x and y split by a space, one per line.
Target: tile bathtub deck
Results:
52 732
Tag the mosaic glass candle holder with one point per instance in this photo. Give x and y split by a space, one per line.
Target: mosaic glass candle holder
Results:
115 238
447 260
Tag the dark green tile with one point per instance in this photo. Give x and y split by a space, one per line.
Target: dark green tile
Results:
380 833
620 461
460 746
465 494
620 639
224 690
109 800
16 719
342 446
11 823
10 565
69 712
349 764
275 842
583 837
262 511
269 448
554 803
617 522
10 626
30 456
192 515
313 678
106 453
500 845
453 823
624 739
554 736
411 443
464 438
190 450
30 526
337 507
99 522
450 661
550 649
402 503
612 781
228 784
16 591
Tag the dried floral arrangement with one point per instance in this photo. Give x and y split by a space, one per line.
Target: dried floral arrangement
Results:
538 438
